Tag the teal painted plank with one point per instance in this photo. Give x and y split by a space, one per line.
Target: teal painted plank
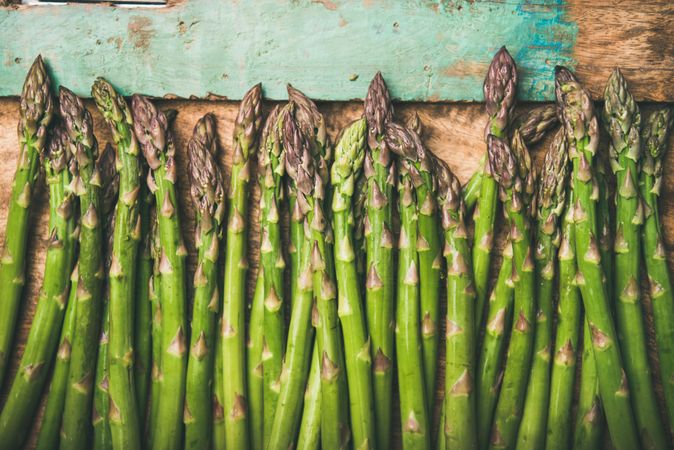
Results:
427 50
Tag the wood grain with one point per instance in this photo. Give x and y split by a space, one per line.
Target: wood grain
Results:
453 131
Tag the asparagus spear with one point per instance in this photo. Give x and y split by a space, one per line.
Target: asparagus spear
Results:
48 436
654 142
142 333
102 440
379 170
255 364
300 332
589 427
550 198
580 125
155 298
533 126
359 214
500 88
411 385
272 264
605 222
234 349
156 141
309 172
123 413
563 375
310 428
77 413
24 395
349 156
460 414
218 440
622 121
471 190
429 248
36 113
208 197
511 167
490 359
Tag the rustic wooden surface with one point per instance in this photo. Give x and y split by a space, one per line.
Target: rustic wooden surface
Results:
429 50
453 131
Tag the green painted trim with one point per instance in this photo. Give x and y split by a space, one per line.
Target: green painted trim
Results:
427 50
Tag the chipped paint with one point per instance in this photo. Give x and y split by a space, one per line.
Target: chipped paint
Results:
428 50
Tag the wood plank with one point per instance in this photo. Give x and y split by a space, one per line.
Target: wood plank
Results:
429 50
453 131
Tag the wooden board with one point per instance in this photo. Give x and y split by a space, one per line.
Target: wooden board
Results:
429 50
453 131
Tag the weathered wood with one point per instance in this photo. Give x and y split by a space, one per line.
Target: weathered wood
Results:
429 50
453 131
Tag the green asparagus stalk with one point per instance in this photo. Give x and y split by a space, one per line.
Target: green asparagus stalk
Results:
102 440
48 436
349 156
359 242
429 247
300 332
414 416
208 197
566 343
75 427
272 264
533 126
511 167
492 352
581 129
550 198
312 177
255 367
334 424
123 411
142 333
500 89
471 190
43 338
310 429
605 222
622 121
234 344
460 414
589 428
156 141
218 440
654 141
379 170
36 113
155 298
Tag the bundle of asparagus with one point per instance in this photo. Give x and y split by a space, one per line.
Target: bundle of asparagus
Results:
317 369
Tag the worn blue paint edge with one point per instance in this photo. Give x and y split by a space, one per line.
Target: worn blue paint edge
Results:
427 50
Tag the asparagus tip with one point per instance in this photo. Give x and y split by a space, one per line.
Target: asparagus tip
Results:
299 160
150 128
37 105
207 186
501 161
415 125
552 182
378 108
500 90
400 141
